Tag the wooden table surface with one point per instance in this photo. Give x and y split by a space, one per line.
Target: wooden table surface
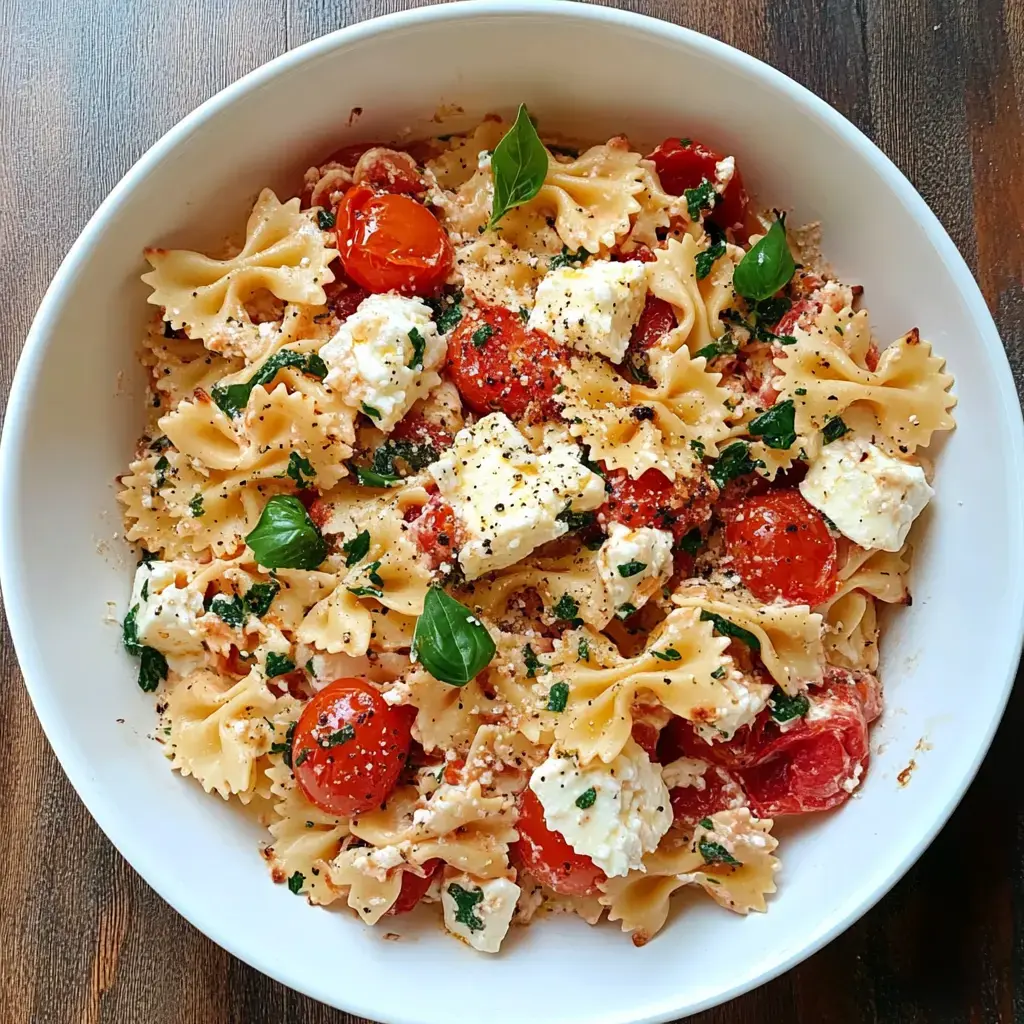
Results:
86 87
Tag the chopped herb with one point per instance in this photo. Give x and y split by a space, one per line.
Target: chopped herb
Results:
336 739
368 478
145 590
716 853
705 260
707 823
700 198
698 448
300 757
733 462
685 143
309 667
374 576
691 542
147 557
296 882
594 543
576 520
481 334
325 219
534 666
195 506
284 748
772 310
800 391
669 654
161 466
299 469
466 899
628 569
419 346
583 650
558 696
370 411
828 522
285 537
447 314
785 707
260 596
566 608
524 314
727 628
278 665
725 346
566 258
625 610
776 426
366 591
389 458
232 610
586 799
356 549
452 644
719 673
234 398
767 267
130 632
152 668
519 166
833 430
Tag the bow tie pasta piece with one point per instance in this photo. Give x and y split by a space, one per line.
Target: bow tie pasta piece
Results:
284 253
180 366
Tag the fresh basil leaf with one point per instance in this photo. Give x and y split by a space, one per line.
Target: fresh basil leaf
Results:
833 430
299 469
725 346
705 260
370 411
583 650
450 642
160 468
534 666
691 542
325 220
716 853
734 461
767 267
285 537
669 654
233 398
447 311
628 569
566 608
776 426
416 455
707 823
278 665
419 346
771 311
519 166
730 629
195 506
130 632
152 668
373 575
368 478
586 799
356 549
260 596
558 695
481 334
576 520
700 198
295 882
465 901
625 610
231 610
785 707
284 748
698 448
524 314
567 259
339 737
366 591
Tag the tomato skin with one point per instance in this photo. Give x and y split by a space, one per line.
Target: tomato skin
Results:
721 791
646 737
391 243
514 371
348 156
419 430
414 888
437 532
344 297
389 170
781 547
654 500
548 857
355 774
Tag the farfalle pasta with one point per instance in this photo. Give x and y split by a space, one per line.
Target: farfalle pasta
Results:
511 518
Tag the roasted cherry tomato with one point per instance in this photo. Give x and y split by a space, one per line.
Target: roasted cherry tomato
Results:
419 430
498 364
414 888
437 532
720 791
654 500
349 747
548 857
645 736
683 164
656 320
391 243
348 156
389 170
781 547
343 296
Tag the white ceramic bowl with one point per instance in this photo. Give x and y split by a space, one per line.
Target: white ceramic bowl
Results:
948 661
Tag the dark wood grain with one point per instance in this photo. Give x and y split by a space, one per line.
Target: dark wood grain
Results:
86 87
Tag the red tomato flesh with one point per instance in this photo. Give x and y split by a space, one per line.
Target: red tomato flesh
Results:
498 364
781 547
721 791
654 500
418 430
389 170
349 747
391 243
414 888
437 532
548 857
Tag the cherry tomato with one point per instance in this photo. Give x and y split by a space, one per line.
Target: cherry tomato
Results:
680 739
389 170
419 430
437 532
548 857
349 747
720 792
414 888
646 737
497 363
781 547
683 164
391 243
641 252
654 500
343 296
656 320
348 156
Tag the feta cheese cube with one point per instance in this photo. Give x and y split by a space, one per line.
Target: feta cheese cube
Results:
370 360
632 563
478 910
724 171
508 497
167 616
592 309
613 813
871 497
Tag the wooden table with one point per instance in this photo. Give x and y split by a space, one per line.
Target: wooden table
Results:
86 87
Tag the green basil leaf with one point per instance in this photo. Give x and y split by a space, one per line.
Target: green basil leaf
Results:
260 596
566 608
784 707
416 455
195 506
130 632
298 469
833 430
325 220
716 853
368 478
481 335
583 650
534 666
366 591
725 346
447 311
296 881
699 199
705 260
691 542
586 799
278 665
767 267
231 610
285 537
625 610
370 411
669 654
558 695
776 426
465 901
733 462
356 549
727 628
419 346
152 668
628 569
450 642
234 398
519 166
567 259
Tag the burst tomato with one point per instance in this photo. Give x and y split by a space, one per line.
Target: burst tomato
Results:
344 296
419 430
781 547
499 364
437 531
389 170
548 857
349 747
391 243
654 500
414 888
719 792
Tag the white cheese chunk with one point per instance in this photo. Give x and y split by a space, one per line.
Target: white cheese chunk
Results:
507 497
870 496
478 910
724 171
632 563
167 616
592 309
370 360
613 813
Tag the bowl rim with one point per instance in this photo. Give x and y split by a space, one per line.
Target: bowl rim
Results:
30 361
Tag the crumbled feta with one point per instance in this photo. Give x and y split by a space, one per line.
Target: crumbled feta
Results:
613 813
592 309
507 497
632 563
167 616
740 700
370 359
478 910
853 781
724 171
684 773
376 862
871 497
